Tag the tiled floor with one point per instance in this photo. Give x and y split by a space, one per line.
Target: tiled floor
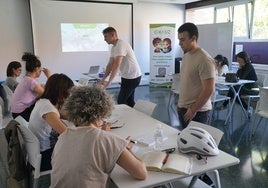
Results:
252 170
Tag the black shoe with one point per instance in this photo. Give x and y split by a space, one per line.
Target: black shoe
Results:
225 103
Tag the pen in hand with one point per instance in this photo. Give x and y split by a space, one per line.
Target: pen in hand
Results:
106 126
131 142
134 141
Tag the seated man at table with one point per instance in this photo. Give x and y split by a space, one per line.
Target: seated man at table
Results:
85 155
245 71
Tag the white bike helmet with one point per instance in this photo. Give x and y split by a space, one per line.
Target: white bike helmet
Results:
197 140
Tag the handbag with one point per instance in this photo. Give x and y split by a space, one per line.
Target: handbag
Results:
231 77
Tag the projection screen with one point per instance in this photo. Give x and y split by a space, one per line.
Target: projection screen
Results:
68 37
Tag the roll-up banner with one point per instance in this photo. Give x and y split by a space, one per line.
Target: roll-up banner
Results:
162 40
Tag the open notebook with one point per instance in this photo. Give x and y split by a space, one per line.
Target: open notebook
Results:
172 163
93 70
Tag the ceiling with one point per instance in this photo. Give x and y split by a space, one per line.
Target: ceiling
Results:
153 1
170 1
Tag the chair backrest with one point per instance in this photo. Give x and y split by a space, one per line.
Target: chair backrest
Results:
2 106
216 97
1 112
22 121
262 103
144 106
213 97
32 147
261 79
175 83
9 95
265 82
215 133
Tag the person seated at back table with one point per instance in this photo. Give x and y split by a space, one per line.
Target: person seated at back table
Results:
13 71
45 120
84 156
29 89
2 103
245 71
222 65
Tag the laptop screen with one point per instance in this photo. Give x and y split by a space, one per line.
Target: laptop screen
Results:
94 69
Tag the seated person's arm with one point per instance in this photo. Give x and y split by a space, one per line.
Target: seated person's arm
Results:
46 72
116 64
54 121
62 113
39 90
134 166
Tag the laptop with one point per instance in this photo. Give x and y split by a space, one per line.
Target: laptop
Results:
93 70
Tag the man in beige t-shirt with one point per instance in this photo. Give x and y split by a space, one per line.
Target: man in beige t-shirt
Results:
196 78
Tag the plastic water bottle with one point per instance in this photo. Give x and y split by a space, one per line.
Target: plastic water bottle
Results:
158 137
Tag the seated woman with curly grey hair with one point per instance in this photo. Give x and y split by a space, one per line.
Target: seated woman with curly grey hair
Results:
85 155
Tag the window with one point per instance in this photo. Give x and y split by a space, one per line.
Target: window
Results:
240 21
200 16
260 22
222 15
250 17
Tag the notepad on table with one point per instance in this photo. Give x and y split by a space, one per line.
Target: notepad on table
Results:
172 163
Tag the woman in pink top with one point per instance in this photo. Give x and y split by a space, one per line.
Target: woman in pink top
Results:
29 89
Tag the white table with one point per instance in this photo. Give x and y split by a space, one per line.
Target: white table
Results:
240 83
136 124
116 80
94 78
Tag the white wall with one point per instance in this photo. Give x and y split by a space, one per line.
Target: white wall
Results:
217 39
16 34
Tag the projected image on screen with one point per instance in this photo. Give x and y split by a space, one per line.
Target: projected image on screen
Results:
82 37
